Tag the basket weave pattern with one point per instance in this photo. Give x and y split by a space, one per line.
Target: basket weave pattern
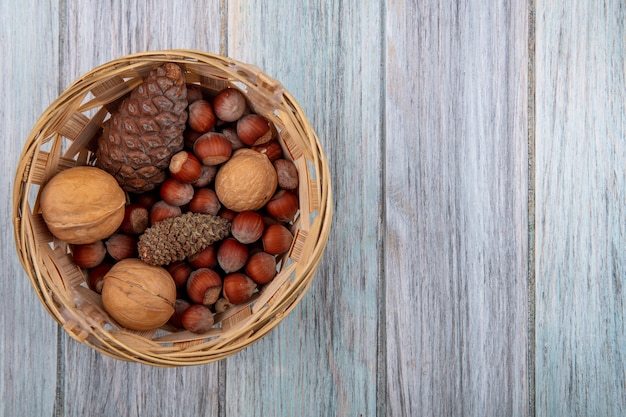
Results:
65 136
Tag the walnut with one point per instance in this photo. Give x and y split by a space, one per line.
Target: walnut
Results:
82 205
137 295
246 181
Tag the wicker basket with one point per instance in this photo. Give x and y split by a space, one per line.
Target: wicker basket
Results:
64 136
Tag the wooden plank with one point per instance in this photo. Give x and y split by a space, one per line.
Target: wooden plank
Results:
94 384
118 28
98 385
322 359
581 206
456 169
28 335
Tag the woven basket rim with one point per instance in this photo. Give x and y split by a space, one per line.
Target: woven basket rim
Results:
60 139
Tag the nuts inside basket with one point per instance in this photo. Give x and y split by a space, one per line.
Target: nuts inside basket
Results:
227 205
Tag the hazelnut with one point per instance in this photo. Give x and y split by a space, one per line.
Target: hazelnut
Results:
148 199
205 201
194 93
255 247
238 288
95 276
283 206
176 193
261 267
201 116
254 129
122 246
287 174
247 227
189 138
246 181
222 305
212 148
180 305
231 255
185 167
230 133
276 239
271 149
180 272
162 210
207 175
229 104
204 286
206 258
82 204
268 220
89 255
136 219
197 319
227 214
137 295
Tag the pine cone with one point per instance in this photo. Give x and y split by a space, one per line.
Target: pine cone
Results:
176 238
140 138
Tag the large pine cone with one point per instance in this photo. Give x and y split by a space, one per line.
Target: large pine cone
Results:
140 138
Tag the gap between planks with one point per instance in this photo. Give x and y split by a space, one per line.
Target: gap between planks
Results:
531 210
381 343
59 400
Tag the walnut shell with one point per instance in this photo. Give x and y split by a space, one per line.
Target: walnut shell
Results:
246 181
82 205
137 295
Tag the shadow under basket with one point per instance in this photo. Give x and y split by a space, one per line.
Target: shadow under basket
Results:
65 136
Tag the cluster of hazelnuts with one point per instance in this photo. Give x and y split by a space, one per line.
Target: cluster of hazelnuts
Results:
220 128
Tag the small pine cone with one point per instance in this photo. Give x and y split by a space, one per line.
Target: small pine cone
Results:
139 139
176 238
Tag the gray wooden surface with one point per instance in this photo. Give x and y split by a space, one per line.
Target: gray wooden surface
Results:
477 260
581 208
455 201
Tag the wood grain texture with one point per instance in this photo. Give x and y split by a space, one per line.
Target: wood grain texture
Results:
95 34
420 305
93 383
322 359
28 335
456 208
581 206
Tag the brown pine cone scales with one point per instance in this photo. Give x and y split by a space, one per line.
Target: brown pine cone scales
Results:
139 139
176 238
